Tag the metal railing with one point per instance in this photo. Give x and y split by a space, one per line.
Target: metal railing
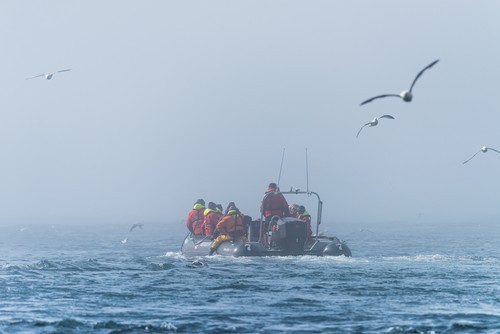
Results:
297 192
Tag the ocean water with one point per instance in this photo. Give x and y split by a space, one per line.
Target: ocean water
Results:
82 279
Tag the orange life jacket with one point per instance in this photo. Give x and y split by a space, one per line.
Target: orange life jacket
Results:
232 224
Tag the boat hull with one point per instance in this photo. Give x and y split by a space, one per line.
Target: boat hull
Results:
321 246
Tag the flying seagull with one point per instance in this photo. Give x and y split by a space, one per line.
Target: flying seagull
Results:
48 76
134 226
406 95
374 122
483 149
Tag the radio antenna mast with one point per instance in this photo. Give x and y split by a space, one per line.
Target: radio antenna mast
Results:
281 167
307 172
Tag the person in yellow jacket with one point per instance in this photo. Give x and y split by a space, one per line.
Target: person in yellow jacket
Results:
230 227
306 217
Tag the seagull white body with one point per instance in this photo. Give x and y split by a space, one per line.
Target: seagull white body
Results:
48 76
406 95
483 149
124 241
135 225
374 122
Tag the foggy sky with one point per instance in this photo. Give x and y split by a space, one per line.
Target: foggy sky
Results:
171 101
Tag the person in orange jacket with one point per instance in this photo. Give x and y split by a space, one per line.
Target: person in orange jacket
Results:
195 218
306 217
212 217
230 227
274 203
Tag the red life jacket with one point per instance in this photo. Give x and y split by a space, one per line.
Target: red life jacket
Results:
275 204
211 219
194 222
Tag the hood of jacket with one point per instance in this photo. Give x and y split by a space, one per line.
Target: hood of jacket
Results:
198 206
305 214
207 212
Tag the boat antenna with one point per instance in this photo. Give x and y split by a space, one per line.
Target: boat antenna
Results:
281 167
307 172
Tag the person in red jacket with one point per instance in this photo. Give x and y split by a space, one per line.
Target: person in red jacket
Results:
274 203
195 218
212 217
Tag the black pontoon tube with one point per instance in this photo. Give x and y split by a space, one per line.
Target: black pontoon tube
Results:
199 242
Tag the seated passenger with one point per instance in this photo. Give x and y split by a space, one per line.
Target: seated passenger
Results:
293 210
305 216
212 217
195 219
230 227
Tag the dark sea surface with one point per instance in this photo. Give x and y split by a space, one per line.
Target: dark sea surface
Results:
83 279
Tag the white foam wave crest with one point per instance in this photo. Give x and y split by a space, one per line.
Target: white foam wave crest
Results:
439 258
175 255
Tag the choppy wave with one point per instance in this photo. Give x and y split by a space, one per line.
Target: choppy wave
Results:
150 287
77 326
442 258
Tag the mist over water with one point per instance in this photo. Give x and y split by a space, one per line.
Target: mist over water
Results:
82 279
170 101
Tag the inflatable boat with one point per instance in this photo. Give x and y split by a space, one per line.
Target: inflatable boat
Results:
279 236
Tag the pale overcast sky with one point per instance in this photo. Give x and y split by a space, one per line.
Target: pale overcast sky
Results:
170 101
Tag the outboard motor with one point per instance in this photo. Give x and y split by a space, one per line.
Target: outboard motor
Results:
337 249
290 235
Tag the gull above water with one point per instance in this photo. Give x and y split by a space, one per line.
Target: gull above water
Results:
48 76
483 149
374 122
134 226
406 95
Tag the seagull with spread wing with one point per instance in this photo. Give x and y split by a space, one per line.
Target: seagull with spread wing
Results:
134 226
406 95
374 122
48 76
483 149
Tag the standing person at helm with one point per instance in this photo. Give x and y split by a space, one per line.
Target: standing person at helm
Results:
195 218
212 217
274 203
230 227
